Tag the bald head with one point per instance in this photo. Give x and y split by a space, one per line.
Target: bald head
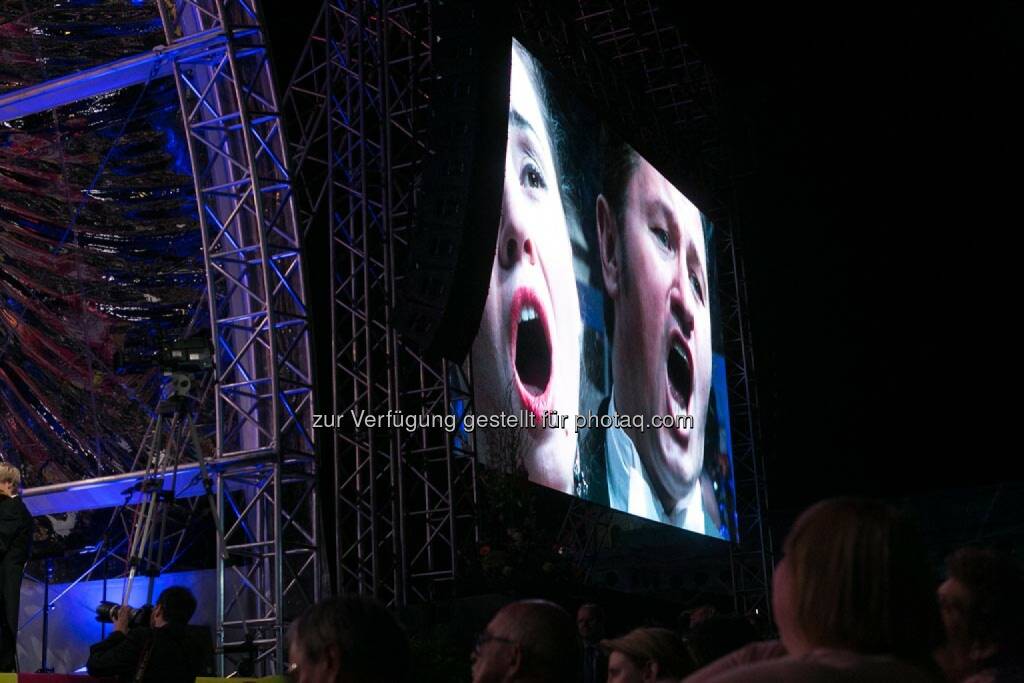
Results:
530 640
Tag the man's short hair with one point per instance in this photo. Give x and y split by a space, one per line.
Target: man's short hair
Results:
179 604
995 612
619 162
9 472
659 645
547 635
371 645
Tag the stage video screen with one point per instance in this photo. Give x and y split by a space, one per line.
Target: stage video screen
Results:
597 368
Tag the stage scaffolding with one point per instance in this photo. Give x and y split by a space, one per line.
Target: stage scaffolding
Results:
357 104
268 539
267 563
357 112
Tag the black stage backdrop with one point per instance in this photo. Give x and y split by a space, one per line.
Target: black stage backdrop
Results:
877 213
875 193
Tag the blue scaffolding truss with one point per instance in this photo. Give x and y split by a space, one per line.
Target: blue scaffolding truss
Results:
263 462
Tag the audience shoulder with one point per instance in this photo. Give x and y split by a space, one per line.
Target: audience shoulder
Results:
753 653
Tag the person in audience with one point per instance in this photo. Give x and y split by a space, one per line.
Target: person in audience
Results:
530 640
982 603
590 626
15 542
647 655
853 600
347 640
168 651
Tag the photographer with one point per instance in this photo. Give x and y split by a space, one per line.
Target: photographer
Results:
166 652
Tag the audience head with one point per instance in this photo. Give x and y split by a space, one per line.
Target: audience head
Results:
590 622
645 655
982 603
531 640
348 640
855 576
176 605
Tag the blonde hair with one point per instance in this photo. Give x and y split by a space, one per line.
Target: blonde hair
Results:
9 472
862 579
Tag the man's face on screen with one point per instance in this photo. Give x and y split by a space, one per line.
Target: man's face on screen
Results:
527 353
662 314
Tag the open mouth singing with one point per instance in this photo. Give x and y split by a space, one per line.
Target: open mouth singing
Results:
531 350
680 373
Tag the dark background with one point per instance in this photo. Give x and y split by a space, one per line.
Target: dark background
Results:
876 198
875 192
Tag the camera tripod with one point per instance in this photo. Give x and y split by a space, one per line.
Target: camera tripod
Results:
173 432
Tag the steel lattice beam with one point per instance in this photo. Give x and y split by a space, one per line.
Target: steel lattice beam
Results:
122 73
427 474
335 103
752 557
268 568
263 463
358 102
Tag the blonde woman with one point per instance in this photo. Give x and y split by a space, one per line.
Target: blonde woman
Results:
854 600
15 539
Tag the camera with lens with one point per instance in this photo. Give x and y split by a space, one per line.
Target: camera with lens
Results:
106 613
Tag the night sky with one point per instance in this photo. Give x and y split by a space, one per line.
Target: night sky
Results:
877 208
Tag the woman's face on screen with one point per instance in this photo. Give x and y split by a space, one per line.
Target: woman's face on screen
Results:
527 353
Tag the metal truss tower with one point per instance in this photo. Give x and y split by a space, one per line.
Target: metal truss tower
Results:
263 464
358 102
268 567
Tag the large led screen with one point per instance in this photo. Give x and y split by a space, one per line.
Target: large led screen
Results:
597 368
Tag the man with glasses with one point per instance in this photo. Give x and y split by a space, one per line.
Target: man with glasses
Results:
530 640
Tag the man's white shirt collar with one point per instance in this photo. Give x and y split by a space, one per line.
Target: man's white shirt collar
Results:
630 490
